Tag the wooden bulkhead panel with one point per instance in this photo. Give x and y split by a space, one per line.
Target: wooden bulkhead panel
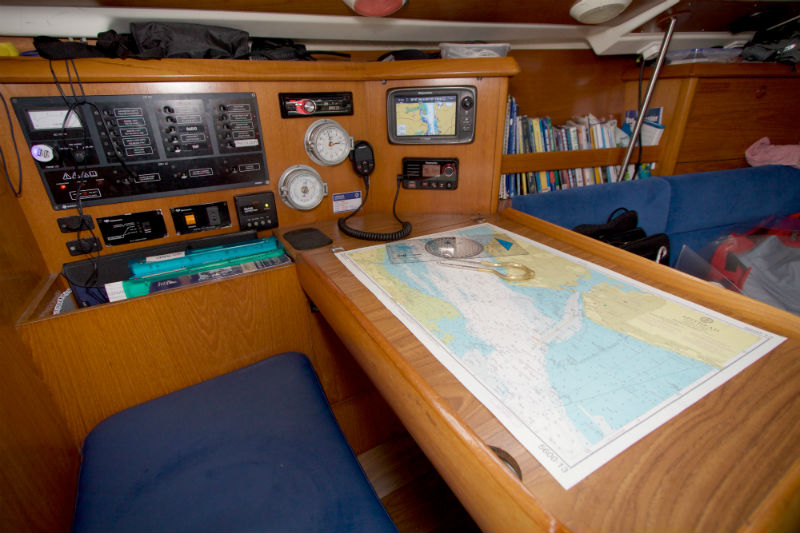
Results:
99 360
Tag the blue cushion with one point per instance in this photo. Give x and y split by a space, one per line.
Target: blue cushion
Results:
257 449
592 204
722 198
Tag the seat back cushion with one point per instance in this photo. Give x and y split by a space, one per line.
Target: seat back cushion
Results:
722 198
593 204
257 449
706 206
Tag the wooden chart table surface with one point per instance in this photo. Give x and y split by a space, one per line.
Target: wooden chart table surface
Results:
729 462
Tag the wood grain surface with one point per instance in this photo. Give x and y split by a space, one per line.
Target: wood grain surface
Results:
479 161
726 463
40 461
100 360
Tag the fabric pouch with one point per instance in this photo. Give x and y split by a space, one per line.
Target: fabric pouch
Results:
621 230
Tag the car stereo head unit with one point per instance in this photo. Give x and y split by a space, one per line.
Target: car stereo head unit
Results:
431 115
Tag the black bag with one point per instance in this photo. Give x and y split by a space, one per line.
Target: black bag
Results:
154 40
273 49
53 48
194 41
622 230
780 43
655 247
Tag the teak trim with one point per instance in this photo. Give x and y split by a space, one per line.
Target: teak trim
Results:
35 70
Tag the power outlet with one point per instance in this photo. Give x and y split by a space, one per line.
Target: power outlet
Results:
84 246
75 223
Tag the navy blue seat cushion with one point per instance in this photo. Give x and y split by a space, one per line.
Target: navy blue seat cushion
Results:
257 449
707 206
592 204
732 197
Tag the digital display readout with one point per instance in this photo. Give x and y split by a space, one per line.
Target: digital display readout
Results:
426 115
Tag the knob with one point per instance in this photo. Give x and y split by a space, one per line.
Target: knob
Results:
79 155
309 106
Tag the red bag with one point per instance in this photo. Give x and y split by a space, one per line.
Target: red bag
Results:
725 257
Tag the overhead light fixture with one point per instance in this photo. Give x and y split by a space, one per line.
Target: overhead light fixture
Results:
597 11
375 8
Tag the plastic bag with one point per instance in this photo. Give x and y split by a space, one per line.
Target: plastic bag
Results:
762 263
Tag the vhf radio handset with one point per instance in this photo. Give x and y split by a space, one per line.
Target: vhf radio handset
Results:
363 159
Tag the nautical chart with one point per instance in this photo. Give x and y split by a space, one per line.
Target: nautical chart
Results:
577 362
433 115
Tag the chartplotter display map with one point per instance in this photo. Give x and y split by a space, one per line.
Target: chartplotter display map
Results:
435 115
579 362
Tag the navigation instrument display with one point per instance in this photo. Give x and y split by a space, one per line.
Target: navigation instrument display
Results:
426 115
431 115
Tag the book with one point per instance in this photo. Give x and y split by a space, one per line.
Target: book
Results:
651 129
122 290
542 183
650 132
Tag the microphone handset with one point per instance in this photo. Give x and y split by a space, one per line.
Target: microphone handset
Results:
363 159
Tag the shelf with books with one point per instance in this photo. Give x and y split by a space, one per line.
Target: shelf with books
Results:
532 162
540 156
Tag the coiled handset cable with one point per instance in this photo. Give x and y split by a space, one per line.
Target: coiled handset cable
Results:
363 159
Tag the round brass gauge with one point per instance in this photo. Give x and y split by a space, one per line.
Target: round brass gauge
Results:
301 187
327 143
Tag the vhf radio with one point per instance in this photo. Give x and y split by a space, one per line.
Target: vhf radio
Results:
428 173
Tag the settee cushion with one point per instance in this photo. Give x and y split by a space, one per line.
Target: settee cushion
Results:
722 198
593 204
257 449
708 205
692 209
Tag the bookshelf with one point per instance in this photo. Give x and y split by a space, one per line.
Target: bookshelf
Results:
532 162
711 111
547 157
562 85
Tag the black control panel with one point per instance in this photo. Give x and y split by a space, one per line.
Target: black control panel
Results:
117 148
132 227
200 217
420 173
315 104
256 211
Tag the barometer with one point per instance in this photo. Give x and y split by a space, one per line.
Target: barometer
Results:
327 143
301 187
